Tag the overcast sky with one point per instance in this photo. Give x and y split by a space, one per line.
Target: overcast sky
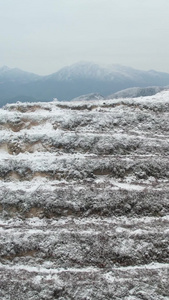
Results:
43 36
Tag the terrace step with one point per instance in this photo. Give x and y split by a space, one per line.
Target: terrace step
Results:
84 200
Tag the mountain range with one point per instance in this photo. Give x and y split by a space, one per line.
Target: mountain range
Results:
75 80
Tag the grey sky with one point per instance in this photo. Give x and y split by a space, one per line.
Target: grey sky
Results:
42 36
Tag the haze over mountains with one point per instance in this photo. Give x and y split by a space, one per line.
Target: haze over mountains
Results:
75 80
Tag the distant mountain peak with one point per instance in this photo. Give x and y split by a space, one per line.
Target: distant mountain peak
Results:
80 69
84 69
4 69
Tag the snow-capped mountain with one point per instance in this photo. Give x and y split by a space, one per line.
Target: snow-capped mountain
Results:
84 199
108 72
75 80
80 70
15 75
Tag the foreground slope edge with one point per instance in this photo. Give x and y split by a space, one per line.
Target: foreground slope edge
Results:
84 199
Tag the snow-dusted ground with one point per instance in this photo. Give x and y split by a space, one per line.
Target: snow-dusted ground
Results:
84 206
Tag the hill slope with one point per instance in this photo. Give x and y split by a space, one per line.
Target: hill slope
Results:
84 210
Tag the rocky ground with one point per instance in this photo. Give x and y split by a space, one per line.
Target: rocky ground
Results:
84 206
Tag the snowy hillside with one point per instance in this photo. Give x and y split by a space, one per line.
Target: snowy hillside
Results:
89 97
84 199
137 92
127 93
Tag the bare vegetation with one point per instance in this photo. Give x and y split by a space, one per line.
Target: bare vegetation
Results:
84 206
